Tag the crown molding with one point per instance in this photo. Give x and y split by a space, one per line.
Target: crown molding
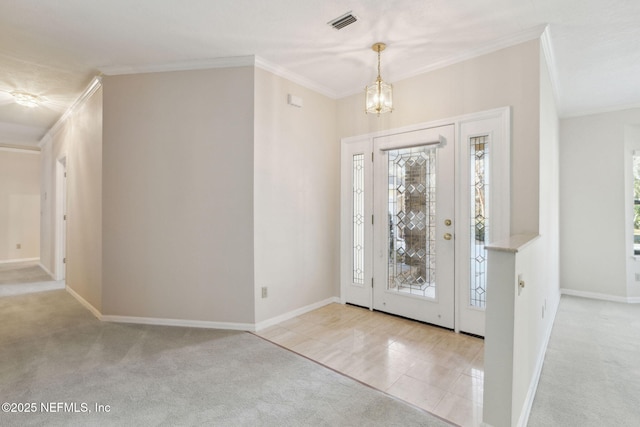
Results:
15 149
229 62
95 84
603 110
493 46
549 56
293 77
199 64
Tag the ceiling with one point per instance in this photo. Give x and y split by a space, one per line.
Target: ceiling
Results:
53 48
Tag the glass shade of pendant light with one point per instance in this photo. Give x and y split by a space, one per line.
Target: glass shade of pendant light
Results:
379 95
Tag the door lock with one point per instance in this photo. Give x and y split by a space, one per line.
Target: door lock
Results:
447 236
447 222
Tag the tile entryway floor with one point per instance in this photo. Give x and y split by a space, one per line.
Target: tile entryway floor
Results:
432 368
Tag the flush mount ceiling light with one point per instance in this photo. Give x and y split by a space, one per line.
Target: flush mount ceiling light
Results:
26 99
379 96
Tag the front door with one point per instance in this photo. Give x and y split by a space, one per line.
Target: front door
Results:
413 225
417 211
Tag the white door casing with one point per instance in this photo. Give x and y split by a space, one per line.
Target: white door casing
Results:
356 224
493 129
495 125
61 220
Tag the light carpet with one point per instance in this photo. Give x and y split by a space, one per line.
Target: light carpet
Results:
591 371
25 277
53 350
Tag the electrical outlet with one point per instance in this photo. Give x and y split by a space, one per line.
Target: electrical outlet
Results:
18 246
264 292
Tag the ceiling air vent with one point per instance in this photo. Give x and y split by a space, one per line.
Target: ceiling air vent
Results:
342 21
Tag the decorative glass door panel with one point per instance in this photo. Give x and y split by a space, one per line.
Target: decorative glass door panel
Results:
412 212
417 209
357 230
479 230
414 237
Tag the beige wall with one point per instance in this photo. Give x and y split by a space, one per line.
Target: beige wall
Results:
509 77
536 306
595 213
178 195
19 204
296 200
519 321
79 141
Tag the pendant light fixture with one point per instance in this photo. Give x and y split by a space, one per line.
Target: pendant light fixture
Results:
379 96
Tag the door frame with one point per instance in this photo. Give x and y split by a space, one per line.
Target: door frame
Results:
497 124
501 168
60 218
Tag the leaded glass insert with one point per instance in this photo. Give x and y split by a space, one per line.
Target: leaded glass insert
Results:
358 219
479 161
412 211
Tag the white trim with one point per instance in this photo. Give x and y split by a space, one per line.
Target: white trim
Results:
359 294
9 261
197 64
502 158
533 386
34 150
228 62
493 46
456 120
60 224
178 322
295 313
496 124
46 270
295 78
95 84
549 55
602 110
85 303
599 296
160 321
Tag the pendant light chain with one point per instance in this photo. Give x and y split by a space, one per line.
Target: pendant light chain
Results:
378 96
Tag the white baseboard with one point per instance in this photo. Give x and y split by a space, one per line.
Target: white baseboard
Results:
46 270
199 323
295 313
10 261
533 386
179 322
159 321
85 303
603 297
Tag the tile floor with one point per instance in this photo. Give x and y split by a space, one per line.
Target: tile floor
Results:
432 368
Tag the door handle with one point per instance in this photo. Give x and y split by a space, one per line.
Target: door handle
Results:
448 236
